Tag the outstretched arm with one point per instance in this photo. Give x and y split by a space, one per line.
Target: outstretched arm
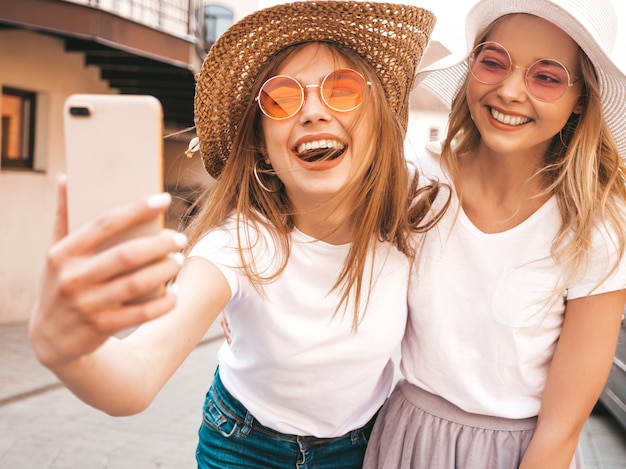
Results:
578 372
86 296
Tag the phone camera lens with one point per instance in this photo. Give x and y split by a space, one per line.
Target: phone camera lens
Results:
80 111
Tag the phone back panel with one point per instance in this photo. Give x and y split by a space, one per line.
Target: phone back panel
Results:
114 154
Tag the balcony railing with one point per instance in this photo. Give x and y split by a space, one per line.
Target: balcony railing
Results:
175 17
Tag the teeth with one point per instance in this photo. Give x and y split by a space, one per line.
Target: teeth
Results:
317 144
509 120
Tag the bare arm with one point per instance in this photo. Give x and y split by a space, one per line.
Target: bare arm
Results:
578 372
83 300
122 377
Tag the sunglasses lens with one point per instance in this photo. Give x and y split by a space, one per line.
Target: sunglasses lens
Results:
342 90
490 63
280 97
547 80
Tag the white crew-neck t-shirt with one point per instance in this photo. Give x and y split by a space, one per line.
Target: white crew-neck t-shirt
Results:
486 310
296 366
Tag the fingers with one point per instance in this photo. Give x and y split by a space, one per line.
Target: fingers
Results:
112 320
74 313
94 235
90 292
118 260
68 336
80 277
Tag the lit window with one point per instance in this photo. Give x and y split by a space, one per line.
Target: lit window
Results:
18 128
217 19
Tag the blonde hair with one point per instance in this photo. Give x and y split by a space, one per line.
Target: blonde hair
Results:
582 168
385 204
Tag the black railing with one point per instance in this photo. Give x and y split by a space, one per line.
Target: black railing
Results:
175 17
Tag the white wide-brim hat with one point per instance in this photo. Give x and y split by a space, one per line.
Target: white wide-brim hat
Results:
591 23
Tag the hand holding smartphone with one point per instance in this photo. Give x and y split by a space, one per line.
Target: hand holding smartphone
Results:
114 156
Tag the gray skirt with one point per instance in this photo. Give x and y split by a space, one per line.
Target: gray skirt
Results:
416 429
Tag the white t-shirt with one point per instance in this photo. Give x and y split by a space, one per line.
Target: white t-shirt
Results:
484 317
294 366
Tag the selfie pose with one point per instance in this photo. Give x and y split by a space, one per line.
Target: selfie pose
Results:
517 294
305 244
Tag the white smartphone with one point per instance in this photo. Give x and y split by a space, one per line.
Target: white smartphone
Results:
114 155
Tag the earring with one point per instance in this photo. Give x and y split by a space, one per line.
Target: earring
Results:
194 146
263 186
566 137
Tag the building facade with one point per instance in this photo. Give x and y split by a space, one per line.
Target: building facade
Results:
50 49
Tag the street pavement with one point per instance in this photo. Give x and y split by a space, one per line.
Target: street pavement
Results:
44 426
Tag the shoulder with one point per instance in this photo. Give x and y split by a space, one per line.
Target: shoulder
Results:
235 233
605 266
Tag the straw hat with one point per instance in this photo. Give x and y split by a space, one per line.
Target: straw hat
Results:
591 23
388 36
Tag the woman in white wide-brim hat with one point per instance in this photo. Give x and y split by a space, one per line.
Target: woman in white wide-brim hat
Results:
517 295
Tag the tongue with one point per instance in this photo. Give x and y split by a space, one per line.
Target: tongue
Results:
320 154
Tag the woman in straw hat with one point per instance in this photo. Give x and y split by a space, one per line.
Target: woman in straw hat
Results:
301 111
516 301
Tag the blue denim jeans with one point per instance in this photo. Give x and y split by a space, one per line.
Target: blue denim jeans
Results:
230 437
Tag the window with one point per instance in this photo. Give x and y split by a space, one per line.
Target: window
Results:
18 128
217 19
433 134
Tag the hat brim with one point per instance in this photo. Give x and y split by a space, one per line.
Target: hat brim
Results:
595 34
390 37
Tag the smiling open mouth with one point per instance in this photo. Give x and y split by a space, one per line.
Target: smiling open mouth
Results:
509 120
320 150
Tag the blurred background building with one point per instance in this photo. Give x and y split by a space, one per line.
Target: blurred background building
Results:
50 49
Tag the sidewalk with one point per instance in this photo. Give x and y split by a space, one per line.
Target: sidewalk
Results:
22 376
43 426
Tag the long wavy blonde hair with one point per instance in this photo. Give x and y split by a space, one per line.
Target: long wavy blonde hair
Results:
388 206
582 168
